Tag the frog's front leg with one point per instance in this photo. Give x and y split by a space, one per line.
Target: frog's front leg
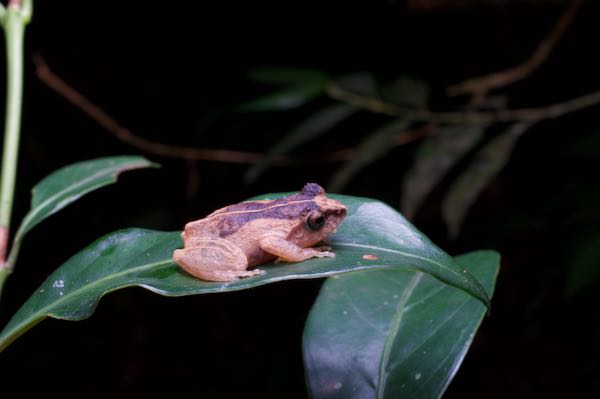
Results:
288 251
214 259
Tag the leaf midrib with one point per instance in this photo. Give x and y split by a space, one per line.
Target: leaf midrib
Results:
407 254
476 289
151 265
394 327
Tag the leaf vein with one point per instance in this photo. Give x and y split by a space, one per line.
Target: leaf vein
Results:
359 313
394 327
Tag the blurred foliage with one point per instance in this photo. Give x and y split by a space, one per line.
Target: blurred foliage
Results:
441 151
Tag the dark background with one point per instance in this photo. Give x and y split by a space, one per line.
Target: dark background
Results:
164 70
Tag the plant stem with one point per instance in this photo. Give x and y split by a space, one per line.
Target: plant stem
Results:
14 20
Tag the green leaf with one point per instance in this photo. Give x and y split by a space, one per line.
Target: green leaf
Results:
313 126
289 97
361 83
434 159
137 257
374 146
287 76
70 183
486 165
392 334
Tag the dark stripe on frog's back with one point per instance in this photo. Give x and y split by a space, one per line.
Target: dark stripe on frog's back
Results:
256 205
233 217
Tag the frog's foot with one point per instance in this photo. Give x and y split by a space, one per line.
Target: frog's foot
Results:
229 275
323 248
324 254
314 253
287 251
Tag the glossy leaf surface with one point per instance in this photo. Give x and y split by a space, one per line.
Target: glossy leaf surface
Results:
67 184
137 257
392 334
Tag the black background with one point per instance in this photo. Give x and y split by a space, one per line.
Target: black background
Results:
163 69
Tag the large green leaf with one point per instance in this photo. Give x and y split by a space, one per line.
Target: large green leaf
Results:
392 334
374 236
68 184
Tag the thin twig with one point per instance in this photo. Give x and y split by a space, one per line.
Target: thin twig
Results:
62 88
479 86
465 117
122 133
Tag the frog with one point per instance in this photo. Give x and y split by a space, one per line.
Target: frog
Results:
230 242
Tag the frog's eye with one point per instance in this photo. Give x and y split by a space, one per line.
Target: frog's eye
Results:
315 221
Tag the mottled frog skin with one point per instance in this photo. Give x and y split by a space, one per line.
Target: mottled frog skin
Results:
227 243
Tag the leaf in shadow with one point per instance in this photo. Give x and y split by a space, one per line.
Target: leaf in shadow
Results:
392 334
361 83
374 146
137 257
584 266
407 91
287 76
315 125
486 165
433 160
287 98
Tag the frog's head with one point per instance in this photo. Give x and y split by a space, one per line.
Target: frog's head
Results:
321 218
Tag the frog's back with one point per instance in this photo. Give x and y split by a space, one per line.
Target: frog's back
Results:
230 219
246 217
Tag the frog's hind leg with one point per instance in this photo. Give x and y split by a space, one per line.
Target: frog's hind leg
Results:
214 259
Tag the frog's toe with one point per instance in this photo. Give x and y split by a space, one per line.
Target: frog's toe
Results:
323 248
325 254
254 272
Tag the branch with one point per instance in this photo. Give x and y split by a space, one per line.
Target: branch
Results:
125 135
481 85
465 117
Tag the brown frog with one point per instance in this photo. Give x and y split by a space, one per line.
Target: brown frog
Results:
223 245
